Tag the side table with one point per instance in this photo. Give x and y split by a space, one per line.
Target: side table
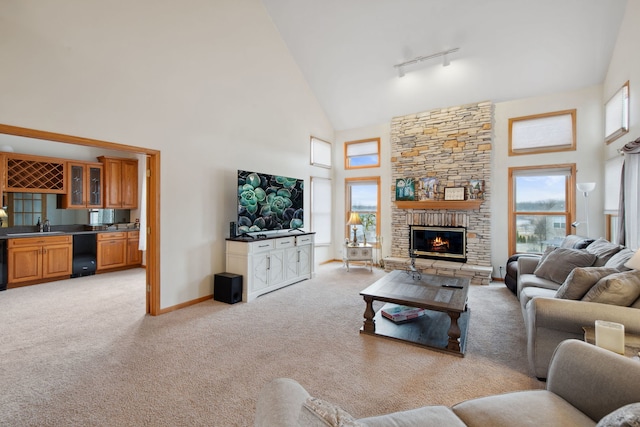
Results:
359 252
631 342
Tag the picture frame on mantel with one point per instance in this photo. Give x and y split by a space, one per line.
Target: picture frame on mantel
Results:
405 189
454 193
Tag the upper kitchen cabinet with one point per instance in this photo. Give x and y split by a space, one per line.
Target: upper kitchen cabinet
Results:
120 182
34 174
84 186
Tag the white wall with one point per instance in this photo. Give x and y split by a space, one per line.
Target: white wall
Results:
588 157
625 66
382 131
209 84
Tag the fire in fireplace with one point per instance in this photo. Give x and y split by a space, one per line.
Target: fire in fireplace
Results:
446 243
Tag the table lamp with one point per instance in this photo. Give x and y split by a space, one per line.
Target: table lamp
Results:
354 220
3 215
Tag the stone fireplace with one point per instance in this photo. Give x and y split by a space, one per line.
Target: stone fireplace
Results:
452 145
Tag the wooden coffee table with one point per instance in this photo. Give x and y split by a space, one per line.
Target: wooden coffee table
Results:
443 327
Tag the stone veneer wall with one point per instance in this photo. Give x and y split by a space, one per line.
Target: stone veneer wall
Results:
454 145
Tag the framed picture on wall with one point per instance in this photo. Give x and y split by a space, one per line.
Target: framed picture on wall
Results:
476 189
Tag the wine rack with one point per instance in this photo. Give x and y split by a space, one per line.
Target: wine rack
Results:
35 174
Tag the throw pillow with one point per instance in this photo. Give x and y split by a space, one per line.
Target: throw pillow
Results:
330 414
559 263
618 260
603 250
618 289
580 280
575 242
627 416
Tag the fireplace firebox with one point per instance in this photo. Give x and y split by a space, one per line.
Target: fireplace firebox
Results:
444 243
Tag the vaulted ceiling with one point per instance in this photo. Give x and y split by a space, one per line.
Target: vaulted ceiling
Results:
508 49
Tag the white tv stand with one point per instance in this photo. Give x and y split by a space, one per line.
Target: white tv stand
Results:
270 263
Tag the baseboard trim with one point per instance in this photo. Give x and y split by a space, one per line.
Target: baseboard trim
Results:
185 304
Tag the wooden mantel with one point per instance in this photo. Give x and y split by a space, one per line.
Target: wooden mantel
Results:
440 204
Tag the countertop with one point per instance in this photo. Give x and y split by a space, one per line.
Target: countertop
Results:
6 235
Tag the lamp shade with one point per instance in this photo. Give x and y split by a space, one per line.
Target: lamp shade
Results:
634 261
3 213
354 219
585 187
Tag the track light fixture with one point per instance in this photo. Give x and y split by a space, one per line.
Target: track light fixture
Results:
444 54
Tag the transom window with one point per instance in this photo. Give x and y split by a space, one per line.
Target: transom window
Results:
541 206
364 153
543 133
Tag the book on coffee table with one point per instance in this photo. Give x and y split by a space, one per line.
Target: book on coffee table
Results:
401 313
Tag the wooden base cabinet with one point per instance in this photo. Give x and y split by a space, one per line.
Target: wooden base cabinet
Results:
37 258
134 255
112 250
270 264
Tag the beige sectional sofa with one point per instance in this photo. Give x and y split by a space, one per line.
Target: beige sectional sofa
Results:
584 281
586 385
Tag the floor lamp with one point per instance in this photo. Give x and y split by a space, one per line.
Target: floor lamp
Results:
586 188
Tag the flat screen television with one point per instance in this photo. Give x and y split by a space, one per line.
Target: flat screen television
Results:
269 202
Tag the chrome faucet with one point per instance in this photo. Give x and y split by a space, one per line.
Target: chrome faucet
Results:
47 226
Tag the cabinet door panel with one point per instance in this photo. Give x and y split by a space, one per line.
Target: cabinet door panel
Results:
276 267
56 261
129 184
260 271
291 263
304 260
24 264
94 186
112 175
112 253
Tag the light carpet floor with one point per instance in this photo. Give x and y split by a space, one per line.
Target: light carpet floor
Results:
81 352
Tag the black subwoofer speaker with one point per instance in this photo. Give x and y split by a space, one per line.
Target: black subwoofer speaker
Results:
227 287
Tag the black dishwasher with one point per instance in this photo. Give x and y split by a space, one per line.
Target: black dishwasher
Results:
84 254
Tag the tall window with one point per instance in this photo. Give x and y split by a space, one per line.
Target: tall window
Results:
363 197
616 114
321 210
541 206
364 153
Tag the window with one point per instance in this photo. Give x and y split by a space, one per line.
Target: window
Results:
321 210
364 153
541 206
363 197
320 153
26 208
543 133
616 115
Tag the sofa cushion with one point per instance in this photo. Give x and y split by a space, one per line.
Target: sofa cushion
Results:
618 289
525 408
580 280
427 416
618 260
603 250
627 416
529 293
330 414
557 265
